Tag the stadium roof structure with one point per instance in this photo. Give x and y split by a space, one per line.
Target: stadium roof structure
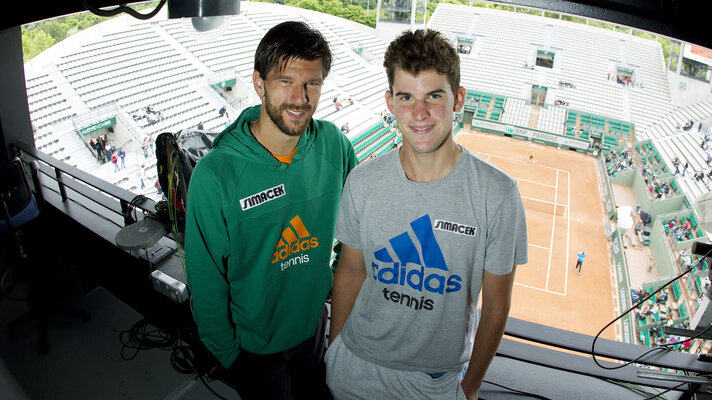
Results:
683 20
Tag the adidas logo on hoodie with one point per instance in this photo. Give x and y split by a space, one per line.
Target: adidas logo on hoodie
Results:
294 241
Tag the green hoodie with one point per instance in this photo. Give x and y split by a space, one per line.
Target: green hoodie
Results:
259 235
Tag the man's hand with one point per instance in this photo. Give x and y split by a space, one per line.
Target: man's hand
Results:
467 387
348 280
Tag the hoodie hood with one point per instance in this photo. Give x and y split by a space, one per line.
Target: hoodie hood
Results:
237 138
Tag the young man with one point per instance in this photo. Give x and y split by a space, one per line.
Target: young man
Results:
262 207
424 228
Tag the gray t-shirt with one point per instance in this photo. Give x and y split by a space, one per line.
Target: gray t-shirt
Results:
425 246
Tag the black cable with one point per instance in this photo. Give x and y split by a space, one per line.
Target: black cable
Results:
517 391
663 348
209 388
5 293
144 336
141 336
122 9
655 396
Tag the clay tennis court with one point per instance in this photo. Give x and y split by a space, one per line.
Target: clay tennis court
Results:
565 215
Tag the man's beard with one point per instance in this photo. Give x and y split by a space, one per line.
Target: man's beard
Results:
275 114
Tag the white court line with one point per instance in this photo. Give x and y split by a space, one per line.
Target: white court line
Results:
566 206
553 230
568 222
568 236
519 161
484 156
539 247
540 289
534 182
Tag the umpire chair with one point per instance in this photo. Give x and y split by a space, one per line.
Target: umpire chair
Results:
20 212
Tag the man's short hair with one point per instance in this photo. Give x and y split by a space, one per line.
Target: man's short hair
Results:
422 50
288 41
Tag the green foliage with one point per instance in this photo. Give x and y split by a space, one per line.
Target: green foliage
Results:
643 34
667 46
572 18
622 29
502 7
529 11
34 42
39 36
353 10
600 24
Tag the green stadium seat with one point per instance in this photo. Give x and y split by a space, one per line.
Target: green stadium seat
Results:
676 292
682 310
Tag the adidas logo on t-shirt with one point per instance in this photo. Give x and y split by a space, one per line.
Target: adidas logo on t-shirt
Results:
422 270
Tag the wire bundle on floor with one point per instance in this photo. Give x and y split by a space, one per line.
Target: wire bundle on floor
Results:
145 336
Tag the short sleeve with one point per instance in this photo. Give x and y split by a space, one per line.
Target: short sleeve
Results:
507 235
348 225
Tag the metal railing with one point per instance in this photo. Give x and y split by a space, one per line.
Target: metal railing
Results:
529 342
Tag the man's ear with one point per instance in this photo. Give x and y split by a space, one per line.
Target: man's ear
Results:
460 97
258 82
389 100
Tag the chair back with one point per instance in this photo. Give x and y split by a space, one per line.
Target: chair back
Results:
18 204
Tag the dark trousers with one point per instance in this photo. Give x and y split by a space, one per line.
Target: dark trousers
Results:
294 374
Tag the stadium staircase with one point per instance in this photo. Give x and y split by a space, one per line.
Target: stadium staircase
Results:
534 117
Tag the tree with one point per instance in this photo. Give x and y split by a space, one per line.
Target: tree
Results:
34 42
55 29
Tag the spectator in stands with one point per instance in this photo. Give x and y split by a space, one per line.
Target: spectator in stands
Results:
661 297
99 150
349 101
107 151
373 341
142 176
201 126
223 112
151 119
115 161
122 156
144 147
92 146
639 316
262 207
345 128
